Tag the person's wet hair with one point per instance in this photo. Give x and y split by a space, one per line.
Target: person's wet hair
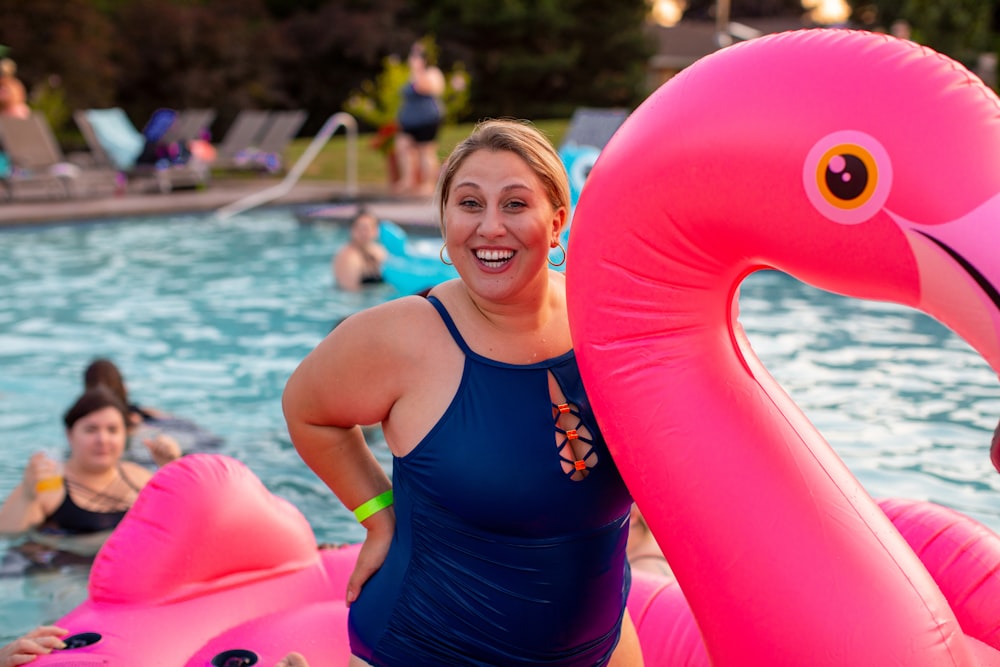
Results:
92 400
104 372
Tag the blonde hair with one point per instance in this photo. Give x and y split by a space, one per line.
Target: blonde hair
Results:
519 137
8 67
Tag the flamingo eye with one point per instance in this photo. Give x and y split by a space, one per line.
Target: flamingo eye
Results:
847 176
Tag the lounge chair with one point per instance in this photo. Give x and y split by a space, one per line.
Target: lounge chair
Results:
116 143
589 130
239 143
190 124
36 158
175 136
282 126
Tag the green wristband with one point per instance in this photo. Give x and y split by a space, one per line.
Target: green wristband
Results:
376 504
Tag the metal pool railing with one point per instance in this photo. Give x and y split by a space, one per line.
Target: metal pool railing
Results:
332 124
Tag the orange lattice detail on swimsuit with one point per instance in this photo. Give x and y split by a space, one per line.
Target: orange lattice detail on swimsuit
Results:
573 441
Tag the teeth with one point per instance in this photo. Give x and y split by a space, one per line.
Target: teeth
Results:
494 255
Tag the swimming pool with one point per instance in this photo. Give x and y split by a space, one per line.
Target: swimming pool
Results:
208 318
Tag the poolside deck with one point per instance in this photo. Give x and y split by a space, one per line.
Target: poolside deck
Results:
312 197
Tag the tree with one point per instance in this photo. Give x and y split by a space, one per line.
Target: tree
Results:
528 58
961 29
542 59
337 47
185 55
62 47
705 9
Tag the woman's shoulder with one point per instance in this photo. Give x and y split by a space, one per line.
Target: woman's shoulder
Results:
396 322
391 317
137 474
347 252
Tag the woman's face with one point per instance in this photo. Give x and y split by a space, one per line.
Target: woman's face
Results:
499 224
97 441
364 230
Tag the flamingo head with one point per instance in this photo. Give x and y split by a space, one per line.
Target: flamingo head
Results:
856 162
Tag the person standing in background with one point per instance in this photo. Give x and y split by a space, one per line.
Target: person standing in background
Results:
420 117
13 102
13 96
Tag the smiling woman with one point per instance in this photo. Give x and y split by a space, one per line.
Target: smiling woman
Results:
444 375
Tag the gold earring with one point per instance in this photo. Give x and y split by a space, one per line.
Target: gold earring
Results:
561 261
441 255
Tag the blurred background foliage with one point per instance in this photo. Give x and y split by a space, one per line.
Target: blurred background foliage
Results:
516 57
528 58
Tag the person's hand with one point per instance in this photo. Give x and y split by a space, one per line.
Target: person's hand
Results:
373 552
40 641
40 473
292 660
163 448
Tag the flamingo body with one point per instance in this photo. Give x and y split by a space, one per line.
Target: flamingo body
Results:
858 163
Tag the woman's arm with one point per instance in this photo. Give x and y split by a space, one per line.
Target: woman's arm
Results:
20 511
347 268
24 508
351 378
162 448
426 79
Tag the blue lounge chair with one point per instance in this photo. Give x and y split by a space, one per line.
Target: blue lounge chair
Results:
115 142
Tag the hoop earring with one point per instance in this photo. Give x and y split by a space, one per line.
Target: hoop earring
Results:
561 261
441 255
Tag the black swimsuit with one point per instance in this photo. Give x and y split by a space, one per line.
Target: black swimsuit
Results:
371 274
69 518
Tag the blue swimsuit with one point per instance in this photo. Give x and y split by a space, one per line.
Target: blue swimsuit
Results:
502 554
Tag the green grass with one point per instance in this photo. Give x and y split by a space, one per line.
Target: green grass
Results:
331 163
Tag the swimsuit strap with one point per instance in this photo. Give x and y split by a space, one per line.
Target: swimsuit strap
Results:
371 271
366 256
128 482
450 323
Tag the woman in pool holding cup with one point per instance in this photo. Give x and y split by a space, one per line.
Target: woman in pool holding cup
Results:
93 489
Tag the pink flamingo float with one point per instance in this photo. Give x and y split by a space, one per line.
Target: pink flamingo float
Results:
863 165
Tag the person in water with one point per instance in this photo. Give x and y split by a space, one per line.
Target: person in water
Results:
162 447
93 489
502 536
359 261
102 371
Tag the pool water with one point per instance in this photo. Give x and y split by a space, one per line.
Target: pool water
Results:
208 318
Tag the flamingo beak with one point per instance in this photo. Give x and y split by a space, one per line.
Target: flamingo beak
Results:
959 267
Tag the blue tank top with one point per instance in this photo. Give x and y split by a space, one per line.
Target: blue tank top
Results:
417 109
500 556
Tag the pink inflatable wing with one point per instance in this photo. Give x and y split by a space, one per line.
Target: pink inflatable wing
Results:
860 164
963 557
205 549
